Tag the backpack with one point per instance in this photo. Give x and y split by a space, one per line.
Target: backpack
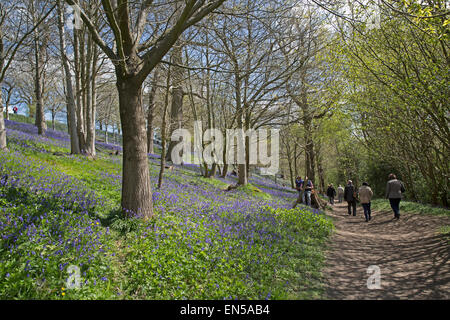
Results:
355 196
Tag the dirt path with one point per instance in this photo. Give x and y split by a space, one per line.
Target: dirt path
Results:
412 256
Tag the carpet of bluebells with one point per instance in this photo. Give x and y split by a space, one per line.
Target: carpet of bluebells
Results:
59 210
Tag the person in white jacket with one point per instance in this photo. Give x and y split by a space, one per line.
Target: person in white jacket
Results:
365 196
340 192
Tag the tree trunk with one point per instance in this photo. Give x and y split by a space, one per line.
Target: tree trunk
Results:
444 198
163 132
136 187
224 170
291 172
309 147
247 142
225 164
3 145
114 138
205 170
131 70
295 161
247 157
85 87
320 170
242 174
409 180
8 100
70 101
212 172
6 108
79 101
150 112
211 121
91 106
39 53
176 112
242 170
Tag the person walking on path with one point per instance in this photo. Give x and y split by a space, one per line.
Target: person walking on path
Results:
340 192
394 192
365 196
299 187
350 197
331 193
307 189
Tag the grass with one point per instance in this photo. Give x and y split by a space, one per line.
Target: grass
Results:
59 210
100 134
445 230
410 207
22 118
415 208
252 190
47 224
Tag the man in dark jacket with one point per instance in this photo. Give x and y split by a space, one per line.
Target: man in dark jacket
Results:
349 196
331 193
299 184
308 186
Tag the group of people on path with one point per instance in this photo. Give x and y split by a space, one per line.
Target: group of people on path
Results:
394 190
363 195
304 187
331 193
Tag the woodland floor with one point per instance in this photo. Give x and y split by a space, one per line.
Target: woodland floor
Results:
411 253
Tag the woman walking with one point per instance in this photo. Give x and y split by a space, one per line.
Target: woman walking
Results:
394 191
365 196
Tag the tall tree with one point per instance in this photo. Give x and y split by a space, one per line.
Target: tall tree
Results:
41 38
151 111
139 47
253 50
12 37
164 130
70 100
176 108
305 86
8 91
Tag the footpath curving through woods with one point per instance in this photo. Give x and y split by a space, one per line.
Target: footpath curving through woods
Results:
412 255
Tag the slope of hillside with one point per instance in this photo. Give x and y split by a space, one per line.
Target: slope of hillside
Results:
59 216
